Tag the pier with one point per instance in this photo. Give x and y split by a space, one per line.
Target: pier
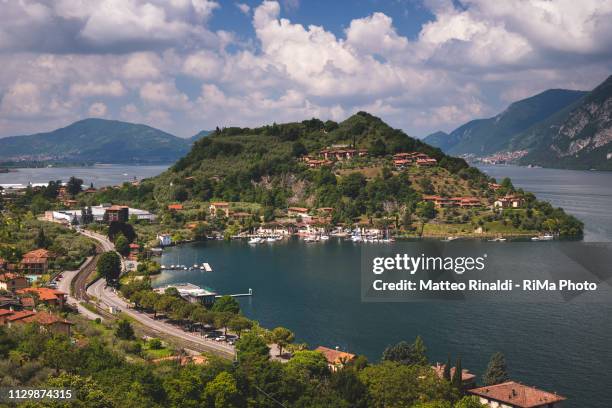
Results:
238 294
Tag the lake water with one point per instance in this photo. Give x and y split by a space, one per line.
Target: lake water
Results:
100 175
314 289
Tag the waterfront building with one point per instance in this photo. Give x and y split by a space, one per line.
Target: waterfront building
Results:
13 282
336 359
515 395
192 293
297 211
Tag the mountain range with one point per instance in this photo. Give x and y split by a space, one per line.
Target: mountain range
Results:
98 141
556 128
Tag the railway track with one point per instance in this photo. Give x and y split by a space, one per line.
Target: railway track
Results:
79 283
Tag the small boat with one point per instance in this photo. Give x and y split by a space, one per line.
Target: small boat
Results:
356 238
545 237
255 240
324 237
449 239
270 239
498 239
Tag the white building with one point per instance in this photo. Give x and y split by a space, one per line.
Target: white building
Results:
164 239
98 214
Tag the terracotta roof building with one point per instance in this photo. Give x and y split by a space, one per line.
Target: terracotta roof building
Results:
175 207
13 282
116 213
514 395
45 320
48 296
336 359
36 262
219 206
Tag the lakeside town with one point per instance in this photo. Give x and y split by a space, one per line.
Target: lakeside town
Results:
109 291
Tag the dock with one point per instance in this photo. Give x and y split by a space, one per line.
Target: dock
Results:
238 294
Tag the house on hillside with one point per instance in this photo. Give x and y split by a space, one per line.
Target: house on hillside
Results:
13 282
219 208
297 211
175 207
47 321
48 296
116 213
36 262
515 395
164 239
509 201
336 359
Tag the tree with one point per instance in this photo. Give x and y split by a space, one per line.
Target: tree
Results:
407 354
41 240
252 348
222 391
298 149
425 210
109 266
226 304
58 354
497 371
378 148
282 337
239 323
124 330
447 370
308 364
122 245
74 186
457 379
222 319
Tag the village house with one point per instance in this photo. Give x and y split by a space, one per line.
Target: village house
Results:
47 321
48 296
509 201
13 282
467 379
316 163
274 228
340 154
297 212
219 208
175 207
36 262
463 202
494 186
336 359
514 395
240 215
10 302
116 213
426 162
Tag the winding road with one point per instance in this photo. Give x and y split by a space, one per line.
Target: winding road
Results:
107 296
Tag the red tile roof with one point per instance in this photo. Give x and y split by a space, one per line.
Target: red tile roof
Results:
175 207
37 253
22 314
44 294
335 356
220 204
4 277
44 318
517 395
4 312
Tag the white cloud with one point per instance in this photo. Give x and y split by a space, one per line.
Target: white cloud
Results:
111 88
243 7
164 94
156 61
98 109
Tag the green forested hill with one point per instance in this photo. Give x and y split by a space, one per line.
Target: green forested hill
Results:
96 140
483 137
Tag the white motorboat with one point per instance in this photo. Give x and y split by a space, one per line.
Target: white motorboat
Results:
324 237
255 240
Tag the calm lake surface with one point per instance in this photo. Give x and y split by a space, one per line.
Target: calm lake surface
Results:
314 289
101 175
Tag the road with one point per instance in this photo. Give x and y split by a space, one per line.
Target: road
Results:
65 283
106 296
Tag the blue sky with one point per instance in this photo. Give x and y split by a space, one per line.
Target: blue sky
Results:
188 65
